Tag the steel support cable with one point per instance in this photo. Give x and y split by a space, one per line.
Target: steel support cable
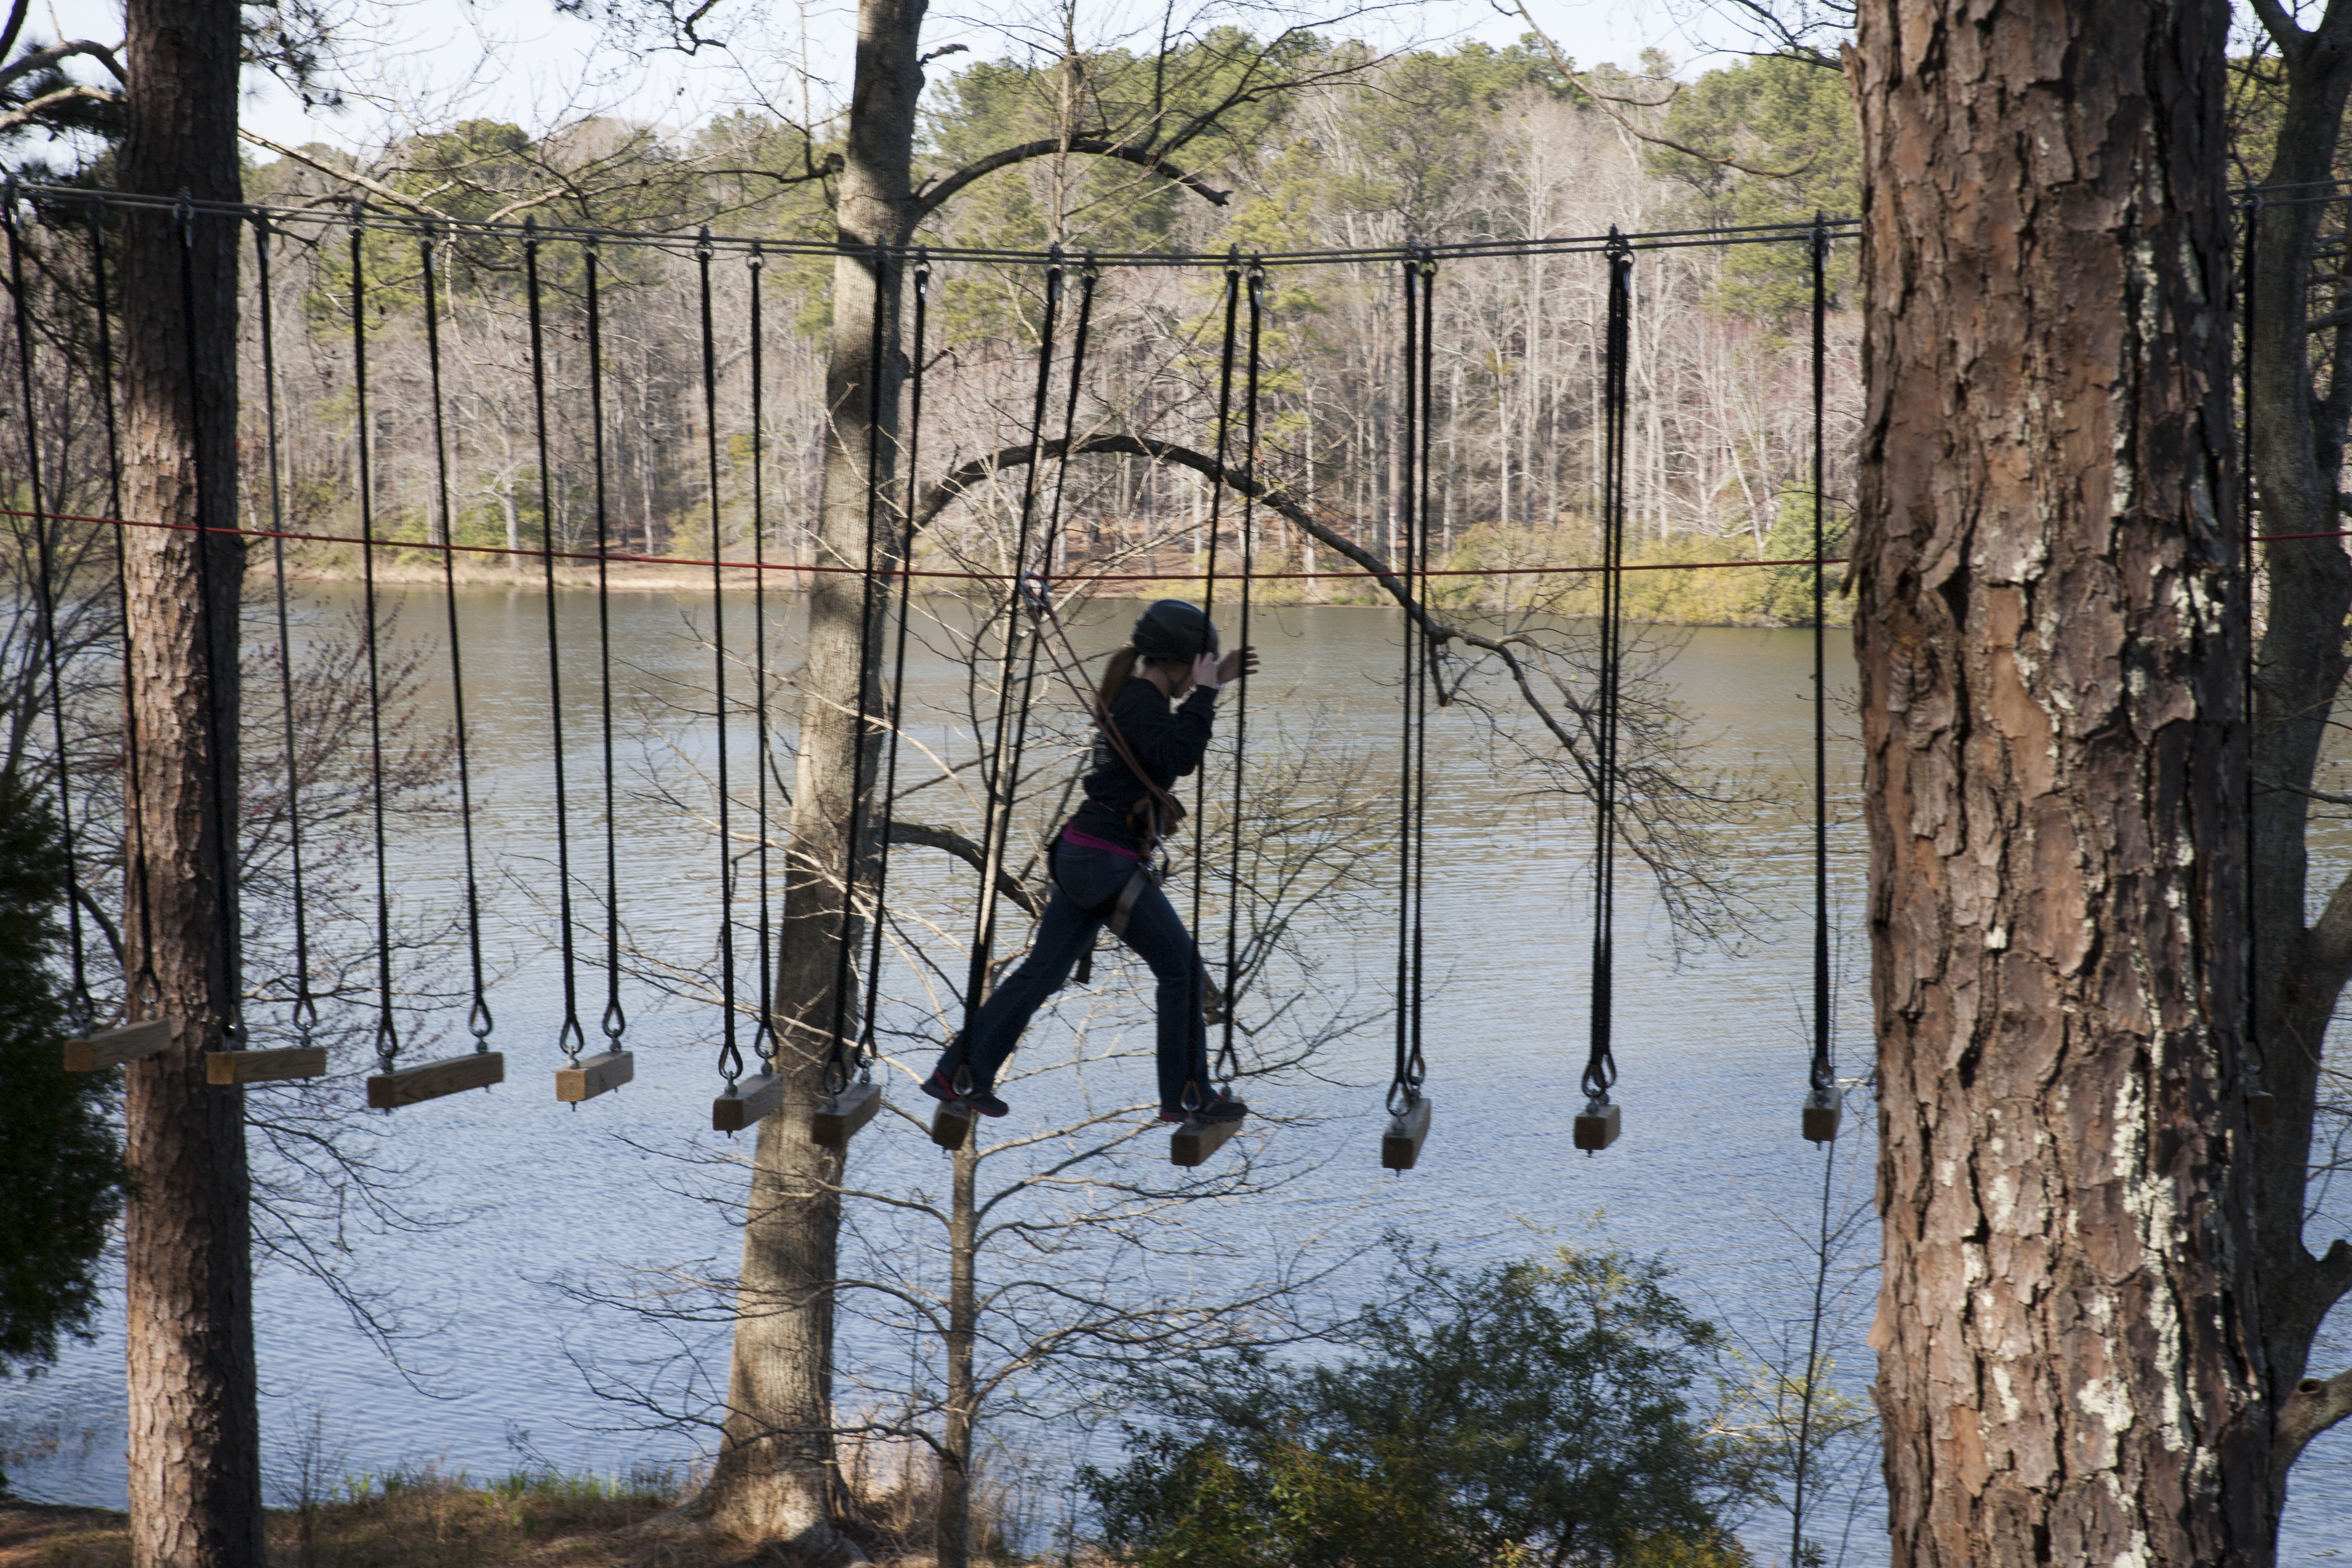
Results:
46 600
223 786
303 1013
478 1020
1823 1069
141 994
898 694
570 1037
763 1033
841 1041
1000 762
616 1021
1228 1063
730 1051
387 1034
1600 1064
1404 1085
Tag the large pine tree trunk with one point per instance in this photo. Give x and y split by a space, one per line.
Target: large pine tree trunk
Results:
2068 1355
195 1470
775 1477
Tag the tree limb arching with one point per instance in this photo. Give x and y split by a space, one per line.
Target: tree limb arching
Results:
56 54
1152 161
1008 886
957 481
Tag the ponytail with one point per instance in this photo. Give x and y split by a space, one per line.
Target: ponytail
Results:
1116 675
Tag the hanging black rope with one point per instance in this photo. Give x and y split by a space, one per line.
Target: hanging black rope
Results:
45 601
224 786
1228 343
478 1022
1824 1069
837 1048
912 471
763 1033
1600 1064
1405 1077
571 1038
1228 1063
303 1014
141 995
387 1035
1001 765
615 1022
1424 678
731 1052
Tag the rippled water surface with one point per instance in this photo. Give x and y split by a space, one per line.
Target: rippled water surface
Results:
519 1196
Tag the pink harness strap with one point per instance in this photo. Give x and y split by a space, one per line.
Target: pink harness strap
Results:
1088 841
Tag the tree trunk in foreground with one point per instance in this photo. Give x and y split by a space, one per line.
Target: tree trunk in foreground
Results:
775 1479
195 1463
2069 1360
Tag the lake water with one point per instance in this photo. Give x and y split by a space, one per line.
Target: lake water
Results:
528 1209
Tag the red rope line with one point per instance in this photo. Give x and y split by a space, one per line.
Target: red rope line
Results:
995 576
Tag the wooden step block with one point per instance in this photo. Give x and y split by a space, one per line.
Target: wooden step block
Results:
1597 1127
431 1080
747 1102
224 1069
1400 1144
951 1126
593 1076
1194 1141
112 1047
836 1121
1822 1113
2262 1108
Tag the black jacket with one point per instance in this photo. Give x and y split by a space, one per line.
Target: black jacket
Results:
1168 740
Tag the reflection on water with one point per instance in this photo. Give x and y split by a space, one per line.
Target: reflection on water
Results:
1710 1172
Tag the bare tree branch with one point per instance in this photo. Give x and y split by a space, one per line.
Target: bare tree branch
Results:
1142 157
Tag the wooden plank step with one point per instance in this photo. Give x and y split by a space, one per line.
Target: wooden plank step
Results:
836 1121
952 1126
223 1070
593 1076
1400 1144
747 1102
1194 1141
431 1080
1822 1113
1597 1126
112 1047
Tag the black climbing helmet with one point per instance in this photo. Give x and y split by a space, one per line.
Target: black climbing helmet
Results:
1174 628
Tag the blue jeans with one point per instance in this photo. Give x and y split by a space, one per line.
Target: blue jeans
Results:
1086 880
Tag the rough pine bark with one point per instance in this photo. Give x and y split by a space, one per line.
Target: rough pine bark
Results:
195 1449
775 1480
2070 1362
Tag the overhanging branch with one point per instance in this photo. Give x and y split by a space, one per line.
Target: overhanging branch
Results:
1142 157
1008 886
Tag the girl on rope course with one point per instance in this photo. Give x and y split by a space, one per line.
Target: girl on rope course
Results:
1153 714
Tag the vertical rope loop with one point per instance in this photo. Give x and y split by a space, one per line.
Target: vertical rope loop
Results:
730 1050
763 1033
303 1013
387 1034
478 1020
571 1038
141 994
1600 1064
45 595
912 472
